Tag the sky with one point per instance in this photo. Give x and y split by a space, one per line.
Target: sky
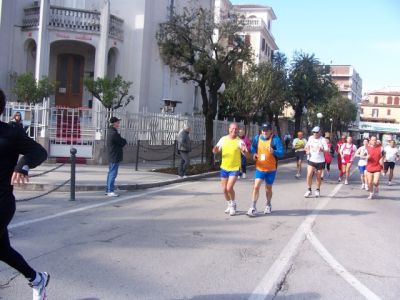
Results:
361 33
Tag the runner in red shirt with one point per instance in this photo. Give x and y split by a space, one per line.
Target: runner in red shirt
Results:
339 158
374 166
347 152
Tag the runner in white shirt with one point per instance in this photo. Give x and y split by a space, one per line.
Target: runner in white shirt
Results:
315 148
347 152
391 155
362 162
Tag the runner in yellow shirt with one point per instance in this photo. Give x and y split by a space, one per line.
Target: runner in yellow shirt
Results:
231 147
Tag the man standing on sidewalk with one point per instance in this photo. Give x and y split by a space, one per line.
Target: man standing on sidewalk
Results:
266 149
115 143
13 142
184 147
231 147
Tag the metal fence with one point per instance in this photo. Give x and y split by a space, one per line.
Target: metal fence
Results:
81 127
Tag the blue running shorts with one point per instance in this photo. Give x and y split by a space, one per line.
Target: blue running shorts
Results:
226 174
268 176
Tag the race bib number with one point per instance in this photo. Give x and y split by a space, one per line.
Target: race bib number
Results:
262 157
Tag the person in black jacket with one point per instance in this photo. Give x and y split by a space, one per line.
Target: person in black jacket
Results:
115 143
17 120
13 142
184 147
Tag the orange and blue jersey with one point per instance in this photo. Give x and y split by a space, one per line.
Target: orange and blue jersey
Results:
267 161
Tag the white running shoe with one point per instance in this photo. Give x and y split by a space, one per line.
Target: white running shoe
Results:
232 210
112 194
39 290
339 179
362 186
371 195
228 208
317 193
307 194
346 182
297 175
252 212
244 176
268 210
366 187
389 183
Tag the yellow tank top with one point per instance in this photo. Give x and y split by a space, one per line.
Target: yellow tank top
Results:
266 160
231 158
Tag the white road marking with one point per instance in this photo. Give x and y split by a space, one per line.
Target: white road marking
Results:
88 207
362 289
268 286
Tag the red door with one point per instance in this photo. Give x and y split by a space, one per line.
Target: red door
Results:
70 80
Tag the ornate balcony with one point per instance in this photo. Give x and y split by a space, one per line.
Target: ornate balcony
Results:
256 24
71 19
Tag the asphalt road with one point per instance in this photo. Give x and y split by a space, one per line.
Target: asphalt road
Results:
176 242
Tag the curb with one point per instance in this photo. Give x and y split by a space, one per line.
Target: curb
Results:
42 187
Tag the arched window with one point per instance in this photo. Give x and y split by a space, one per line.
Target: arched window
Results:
396 100
376 100
389 100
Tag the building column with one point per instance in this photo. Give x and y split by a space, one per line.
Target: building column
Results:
43 43
100 63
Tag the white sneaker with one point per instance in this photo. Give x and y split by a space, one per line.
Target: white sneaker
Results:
227 210
252 212
39 290
339 179
317 193
362 186
112 194
244 176
297 175
232 210
371 195
307 194
268 209
346 182
389 183
366 187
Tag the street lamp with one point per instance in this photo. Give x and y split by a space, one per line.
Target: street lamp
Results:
319 116
331 120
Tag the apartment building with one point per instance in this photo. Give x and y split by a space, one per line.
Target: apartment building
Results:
380 112
348 81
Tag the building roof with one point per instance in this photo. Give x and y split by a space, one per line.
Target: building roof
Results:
256 7
389 90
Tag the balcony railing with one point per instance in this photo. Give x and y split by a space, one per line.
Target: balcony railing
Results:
256 24
71 19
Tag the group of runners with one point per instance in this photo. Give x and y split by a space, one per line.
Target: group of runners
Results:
266 148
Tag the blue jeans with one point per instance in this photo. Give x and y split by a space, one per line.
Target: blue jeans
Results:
112 174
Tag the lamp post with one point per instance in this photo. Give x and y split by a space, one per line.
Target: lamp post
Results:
331 120
319 116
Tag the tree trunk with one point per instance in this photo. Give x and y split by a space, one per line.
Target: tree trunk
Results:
209 112
209 124
297 118
278 127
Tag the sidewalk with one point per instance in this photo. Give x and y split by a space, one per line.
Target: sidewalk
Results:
93 178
